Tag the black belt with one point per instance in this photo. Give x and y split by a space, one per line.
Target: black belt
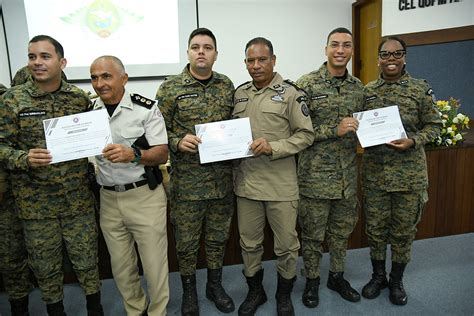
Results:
125 187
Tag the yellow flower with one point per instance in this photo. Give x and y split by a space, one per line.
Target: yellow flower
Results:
453 123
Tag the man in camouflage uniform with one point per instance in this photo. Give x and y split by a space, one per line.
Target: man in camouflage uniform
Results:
327 170
201 194
53 200
266 184
13 256
395 177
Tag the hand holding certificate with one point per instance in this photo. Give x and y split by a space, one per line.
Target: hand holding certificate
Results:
224 140
379 126
77 136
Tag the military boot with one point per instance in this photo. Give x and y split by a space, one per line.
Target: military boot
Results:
19 306
398 296
336 282
189 304
56 309
378 282
94 308
256 295
283 296
311 293
216 293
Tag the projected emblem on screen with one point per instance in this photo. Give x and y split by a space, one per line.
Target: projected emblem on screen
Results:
102 17
149 36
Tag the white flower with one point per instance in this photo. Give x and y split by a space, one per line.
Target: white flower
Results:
447 108
444 122
449 130
460 117
455 120
449 141
458 137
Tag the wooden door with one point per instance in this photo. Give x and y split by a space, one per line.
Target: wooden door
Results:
367 29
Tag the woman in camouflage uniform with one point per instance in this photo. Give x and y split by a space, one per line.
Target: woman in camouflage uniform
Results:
395 178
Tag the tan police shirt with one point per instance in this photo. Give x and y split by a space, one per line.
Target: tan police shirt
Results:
279 114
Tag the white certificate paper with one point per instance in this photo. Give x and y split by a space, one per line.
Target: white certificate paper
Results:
77 136
379 126
224 140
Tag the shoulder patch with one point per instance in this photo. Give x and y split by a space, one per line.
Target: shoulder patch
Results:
430 92
301 98
142 101
370 98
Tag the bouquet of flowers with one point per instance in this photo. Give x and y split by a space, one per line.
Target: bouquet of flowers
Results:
453 123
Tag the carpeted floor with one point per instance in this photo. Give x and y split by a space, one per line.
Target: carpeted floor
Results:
439 281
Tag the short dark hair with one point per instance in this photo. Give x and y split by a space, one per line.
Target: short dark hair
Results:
260 40
338 30
392 38
57 46
203 31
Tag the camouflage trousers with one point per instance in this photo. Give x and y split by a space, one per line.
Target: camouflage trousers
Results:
189 219
391 218
13 255
46 239
320 218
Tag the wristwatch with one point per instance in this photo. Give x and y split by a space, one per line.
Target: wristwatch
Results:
138 154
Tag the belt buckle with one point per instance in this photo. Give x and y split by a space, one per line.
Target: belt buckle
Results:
120 188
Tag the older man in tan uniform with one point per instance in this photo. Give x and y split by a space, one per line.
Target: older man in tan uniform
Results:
266 184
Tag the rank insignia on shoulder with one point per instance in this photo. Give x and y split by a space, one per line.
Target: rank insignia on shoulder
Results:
277 98
142 101
404 82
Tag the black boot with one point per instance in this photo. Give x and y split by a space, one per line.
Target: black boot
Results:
19 306
378 282
398 296
94 308
256 295
189 304
216 293
56 309
336 282
311 293
283 296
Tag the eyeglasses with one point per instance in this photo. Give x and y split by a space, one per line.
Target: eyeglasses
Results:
396 54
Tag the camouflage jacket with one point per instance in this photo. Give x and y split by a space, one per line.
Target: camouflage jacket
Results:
3 173
43 192
3 180
3 89
327 169
185 102
391 170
